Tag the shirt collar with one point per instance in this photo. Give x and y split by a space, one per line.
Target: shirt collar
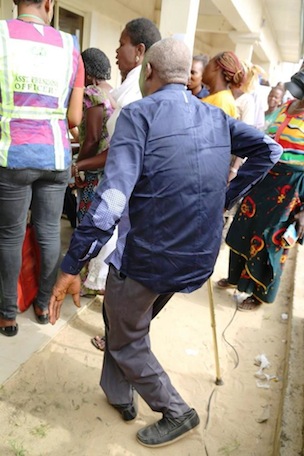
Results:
172 87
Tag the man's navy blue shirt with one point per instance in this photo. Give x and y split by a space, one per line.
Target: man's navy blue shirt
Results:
166 175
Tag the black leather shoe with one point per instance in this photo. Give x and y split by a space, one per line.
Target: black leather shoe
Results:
127 411
167 430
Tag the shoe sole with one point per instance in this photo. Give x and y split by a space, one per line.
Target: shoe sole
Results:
159 445
169 442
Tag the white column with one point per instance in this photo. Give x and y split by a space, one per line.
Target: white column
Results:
179 18
8 9
244 51
244 44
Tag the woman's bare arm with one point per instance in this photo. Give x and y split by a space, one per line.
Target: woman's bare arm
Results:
93 120
92 163
74 113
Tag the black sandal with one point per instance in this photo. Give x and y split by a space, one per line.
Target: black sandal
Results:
9 331
42 319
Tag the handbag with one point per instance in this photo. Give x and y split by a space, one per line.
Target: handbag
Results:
28 281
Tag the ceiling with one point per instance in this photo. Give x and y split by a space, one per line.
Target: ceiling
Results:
281 21
286 18
277 25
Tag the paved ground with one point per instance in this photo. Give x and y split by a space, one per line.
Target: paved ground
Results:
50 400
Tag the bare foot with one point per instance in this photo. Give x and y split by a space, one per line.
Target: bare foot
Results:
5 323
39 311
99 342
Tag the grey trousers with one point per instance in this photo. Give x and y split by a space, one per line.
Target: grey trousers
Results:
128 360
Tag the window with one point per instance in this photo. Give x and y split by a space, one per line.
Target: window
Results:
68 21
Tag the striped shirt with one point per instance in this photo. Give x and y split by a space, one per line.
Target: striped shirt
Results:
288 131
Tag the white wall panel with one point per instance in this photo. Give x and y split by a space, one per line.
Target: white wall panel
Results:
105 35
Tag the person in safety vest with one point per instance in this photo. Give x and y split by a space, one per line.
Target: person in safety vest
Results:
41 91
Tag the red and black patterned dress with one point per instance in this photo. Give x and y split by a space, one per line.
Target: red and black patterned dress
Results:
258 251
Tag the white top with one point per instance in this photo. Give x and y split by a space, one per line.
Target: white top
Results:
126 93
246 108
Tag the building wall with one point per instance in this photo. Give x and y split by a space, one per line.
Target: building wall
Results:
104 34
103 22
105 19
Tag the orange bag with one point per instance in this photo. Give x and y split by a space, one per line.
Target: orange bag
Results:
30 268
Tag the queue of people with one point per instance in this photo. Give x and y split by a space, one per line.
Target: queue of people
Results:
140 173
136 38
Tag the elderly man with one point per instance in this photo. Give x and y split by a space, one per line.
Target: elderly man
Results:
167 169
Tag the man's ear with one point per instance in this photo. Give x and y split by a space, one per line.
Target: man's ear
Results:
141 49
148 71
48 5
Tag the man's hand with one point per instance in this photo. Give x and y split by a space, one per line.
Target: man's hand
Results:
66 284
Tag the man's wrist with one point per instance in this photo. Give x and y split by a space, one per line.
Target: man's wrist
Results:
69 266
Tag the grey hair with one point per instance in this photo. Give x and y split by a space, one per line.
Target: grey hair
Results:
29 2
171 58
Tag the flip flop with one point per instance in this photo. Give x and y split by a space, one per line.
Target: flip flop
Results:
223 283
99 342
89 293
249 304
9 331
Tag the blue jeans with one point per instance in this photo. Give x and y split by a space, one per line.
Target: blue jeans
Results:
42 191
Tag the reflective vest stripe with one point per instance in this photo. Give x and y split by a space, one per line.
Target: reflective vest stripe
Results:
59 150
6 95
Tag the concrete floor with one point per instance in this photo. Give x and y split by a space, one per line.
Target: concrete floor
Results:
32 337
290 431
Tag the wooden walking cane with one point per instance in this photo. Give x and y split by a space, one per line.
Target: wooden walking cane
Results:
218 380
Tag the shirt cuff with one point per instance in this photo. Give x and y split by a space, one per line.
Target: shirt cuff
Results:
70 266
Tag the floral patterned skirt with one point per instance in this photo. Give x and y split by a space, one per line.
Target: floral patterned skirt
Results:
86 194
258 252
